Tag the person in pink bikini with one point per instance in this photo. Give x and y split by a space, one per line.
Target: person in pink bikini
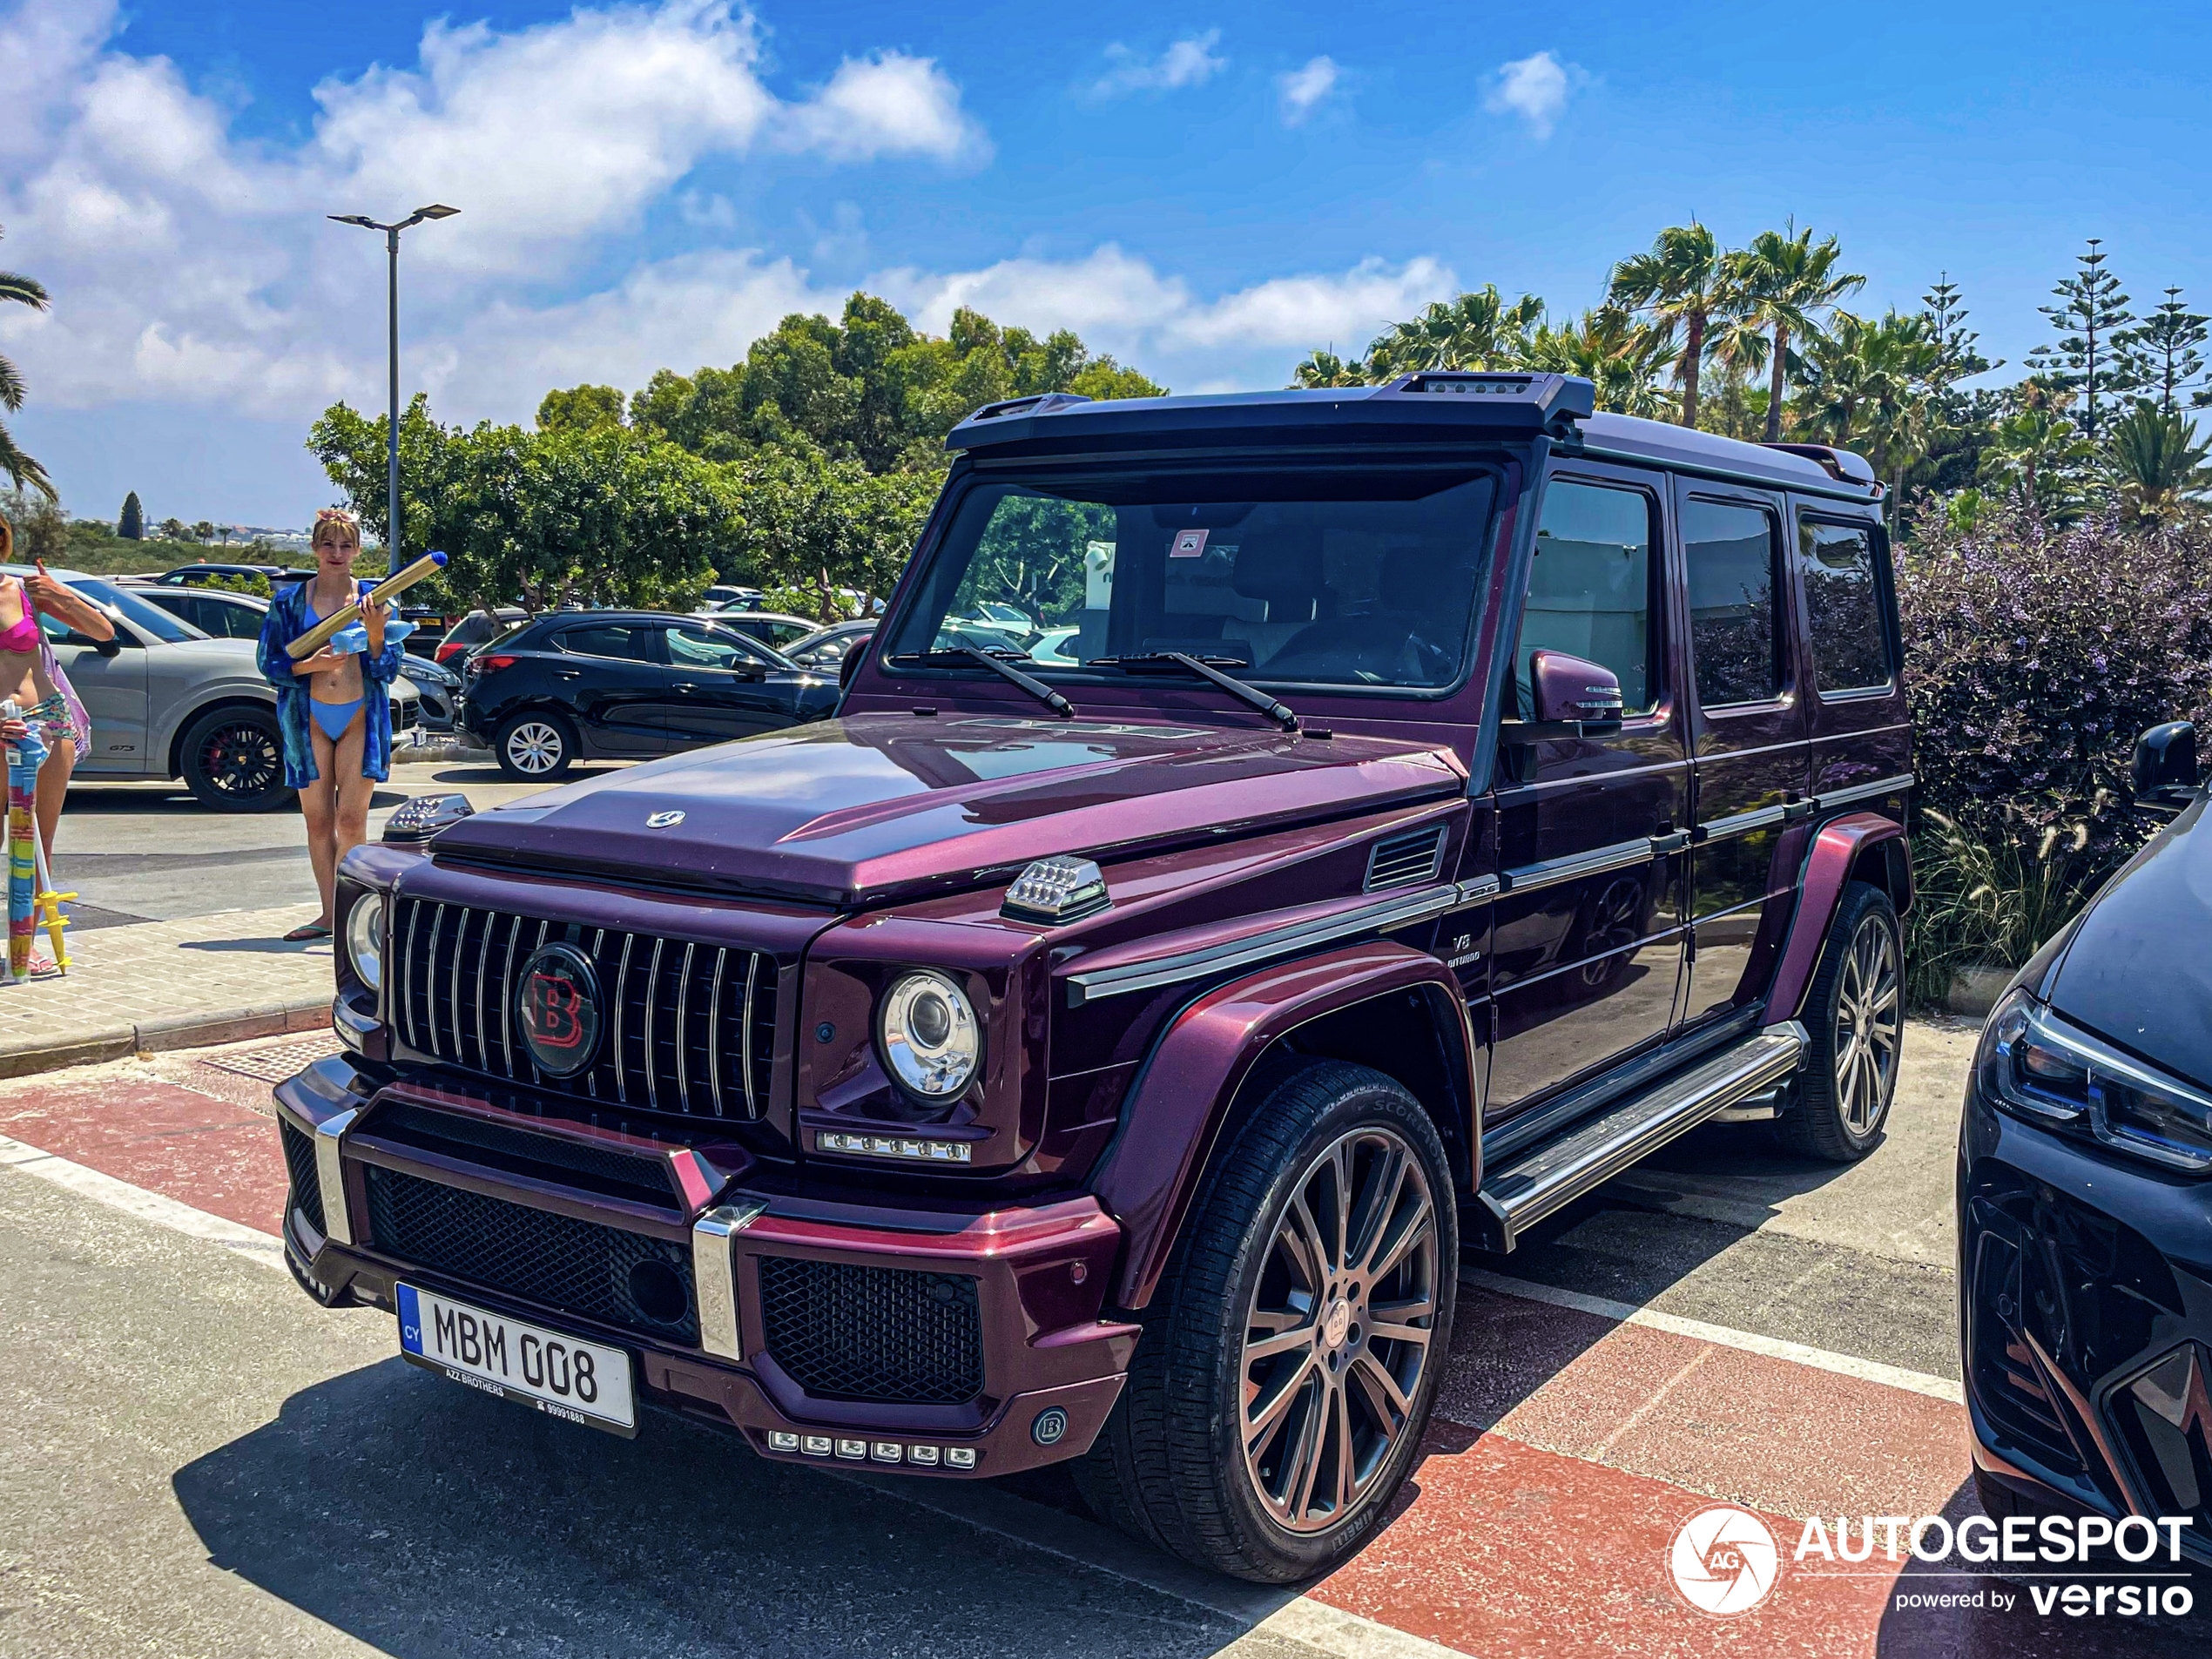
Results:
30 677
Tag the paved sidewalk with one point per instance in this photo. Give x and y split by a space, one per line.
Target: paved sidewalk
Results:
167 985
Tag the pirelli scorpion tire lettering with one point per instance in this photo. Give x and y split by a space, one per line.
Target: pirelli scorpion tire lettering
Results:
1292 1355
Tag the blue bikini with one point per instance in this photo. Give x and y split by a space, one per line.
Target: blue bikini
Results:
332 717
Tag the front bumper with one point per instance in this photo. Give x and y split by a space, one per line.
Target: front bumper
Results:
819 1326
2086 1295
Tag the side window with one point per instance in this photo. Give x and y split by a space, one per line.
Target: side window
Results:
1589 587
1850 648
1736 630
710 648
627 641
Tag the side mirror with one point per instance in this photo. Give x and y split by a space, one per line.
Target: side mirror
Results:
2164 773
1568 689
850 664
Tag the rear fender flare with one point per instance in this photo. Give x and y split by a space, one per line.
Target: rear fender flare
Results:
1857 845
1183 1097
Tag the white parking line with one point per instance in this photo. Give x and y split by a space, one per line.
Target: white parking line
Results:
1841 1365
1278 1613
249 1241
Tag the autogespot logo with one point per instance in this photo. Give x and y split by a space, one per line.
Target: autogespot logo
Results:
1724 1560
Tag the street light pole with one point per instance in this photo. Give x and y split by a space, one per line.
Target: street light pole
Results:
435 210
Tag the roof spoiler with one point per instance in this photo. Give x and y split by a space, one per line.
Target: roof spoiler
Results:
1842 465
1036 404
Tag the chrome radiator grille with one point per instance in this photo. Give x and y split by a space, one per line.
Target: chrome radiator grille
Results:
687 1027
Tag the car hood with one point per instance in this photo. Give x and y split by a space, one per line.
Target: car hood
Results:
855 811
2137 971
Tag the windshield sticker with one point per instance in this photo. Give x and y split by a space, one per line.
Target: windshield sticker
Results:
1188 544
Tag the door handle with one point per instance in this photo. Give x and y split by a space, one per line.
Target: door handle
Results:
1672 841
566 673
1797 810
683 685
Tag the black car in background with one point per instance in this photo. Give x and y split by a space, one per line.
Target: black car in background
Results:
2084 1194
823 651
627 685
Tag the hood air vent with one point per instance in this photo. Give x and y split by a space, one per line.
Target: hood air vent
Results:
1407 859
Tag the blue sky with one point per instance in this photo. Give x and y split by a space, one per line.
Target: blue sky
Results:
1208 191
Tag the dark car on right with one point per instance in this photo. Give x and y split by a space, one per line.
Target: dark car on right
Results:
2084 1194
627 685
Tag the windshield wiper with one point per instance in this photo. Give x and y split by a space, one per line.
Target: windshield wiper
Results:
962 656
1251 696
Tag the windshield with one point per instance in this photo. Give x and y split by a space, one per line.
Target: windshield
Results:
1357 578
149 618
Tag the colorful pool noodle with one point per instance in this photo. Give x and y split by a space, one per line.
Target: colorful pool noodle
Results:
24 757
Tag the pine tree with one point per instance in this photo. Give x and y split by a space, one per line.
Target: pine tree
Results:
1956 344
2165 359
2092 319
132 527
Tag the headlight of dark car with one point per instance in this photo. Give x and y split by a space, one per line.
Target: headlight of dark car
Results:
2035 1064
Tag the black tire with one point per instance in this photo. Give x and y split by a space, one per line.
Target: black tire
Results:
1855 1014
1170 1466
535 746
234 760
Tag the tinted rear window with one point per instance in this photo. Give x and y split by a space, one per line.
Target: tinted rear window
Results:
1844 606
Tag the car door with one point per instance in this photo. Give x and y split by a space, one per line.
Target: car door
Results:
610 676
1586 936
1749 735
114 690
719 688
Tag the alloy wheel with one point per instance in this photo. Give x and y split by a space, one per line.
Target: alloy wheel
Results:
239 760
534 747
1870 1020
1337 1332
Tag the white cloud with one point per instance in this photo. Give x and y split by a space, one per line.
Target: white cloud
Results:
1535 88
189 262
1114 299
1189 62
1303 89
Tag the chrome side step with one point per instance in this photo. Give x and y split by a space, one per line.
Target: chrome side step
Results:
1548 1177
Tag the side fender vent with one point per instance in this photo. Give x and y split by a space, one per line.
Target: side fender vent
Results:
1406 861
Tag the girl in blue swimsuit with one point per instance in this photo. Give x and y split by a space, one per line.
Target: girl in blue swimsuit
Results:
335 707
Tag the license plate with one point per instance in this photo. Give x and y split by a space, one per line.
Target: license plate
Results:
584 1382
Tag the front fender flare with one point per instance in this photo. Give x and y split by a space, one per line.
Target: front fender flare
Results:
1181 1098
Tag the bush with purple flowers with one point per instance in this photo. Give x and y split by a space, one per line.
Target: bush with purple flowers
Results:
2034 654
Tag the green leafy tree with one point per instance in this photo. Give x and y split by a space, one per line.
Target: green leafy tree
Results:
2159 462
1680 284
21 470
580 408
2037 461
172 530
1324 368
820 525
2165 354
2092 318
42 528
1627 361
131 524
1871 386
1478 329
1779 287
203 531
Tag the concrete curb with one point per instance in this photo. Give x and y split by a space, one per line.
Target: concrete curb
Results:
196 1030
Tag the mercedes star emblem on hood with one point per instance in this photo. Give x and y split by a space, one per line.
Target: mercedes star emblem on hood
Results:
662 821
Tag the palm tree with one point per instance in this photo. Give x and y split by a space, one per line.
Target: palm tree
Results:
2036 455
1627 361
1779 287
1323 368
1682 282
1871 386
2159 462
1477 330
17 465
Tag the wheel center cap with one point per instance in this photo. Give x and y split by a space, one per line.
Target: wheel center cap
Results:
1336 1323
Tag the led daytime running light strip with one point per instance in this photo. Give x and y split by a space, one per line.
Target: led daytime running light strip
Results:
858 1450
893 1146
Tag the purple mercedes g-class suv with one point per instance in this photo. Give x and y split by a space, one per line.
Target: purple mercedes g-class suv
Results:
1272 842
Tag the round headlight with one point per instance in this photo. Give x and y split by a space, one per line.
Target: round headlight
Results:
927 1031
365 939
